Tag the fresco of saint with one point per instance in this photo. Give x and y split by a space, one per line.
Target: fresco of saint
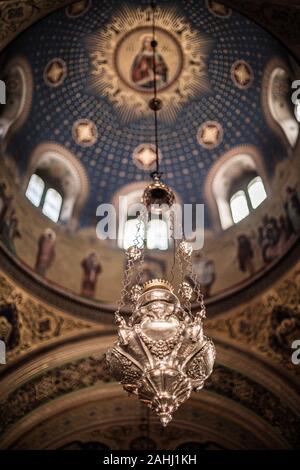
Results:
292 208
91 270
245 254
46 251
142 67
205 272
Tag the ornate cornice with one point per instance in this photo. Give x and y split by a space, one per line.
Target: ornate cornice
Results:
31 324
268 325
52 384
103 313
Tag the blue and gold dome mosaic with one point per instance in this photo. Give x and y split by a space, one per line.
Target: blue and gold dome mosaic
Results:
90 95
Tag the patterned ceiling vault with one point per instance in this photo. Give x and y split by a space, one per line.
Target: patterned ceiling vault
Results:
78 107
93 76
280 17
121 53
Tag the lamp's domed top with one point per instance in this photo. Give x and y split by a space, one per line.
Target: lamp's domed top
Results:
157 284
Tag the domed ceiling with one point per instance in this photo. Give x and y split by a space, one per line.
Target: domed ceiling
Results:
88 85
86 100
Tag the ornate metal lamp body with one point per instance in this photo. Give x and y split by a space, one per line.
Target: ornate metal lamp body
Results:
161 354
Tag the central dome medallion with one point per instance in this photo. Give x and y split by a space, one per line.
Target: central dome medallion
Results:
122 61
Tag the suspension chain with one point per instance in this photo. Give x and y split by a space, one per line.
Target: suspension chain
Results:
190 288
134 263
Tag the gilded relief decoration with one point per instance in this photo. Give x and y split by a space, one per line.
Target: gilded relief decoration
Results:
263 402
26 324
17 15
121 58
78 8
218 9
5 329
55 72
68 378
144 156
210 134
242 74
85 132
268 325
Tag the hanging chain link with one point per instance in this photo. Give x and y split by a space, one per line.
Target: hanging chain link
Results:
140 241
134 263
183 291
126 281
190 288
199 298
173 241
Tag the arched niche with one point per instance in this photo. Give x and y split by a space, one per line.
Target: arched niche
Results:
17 76
277 103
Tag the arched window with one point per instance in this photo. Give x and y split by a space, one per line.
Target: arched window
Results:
52 204
279 102
154 233
41 194
247 198
35 190
134 233
157 235
56 183
239 206
235 186
257 192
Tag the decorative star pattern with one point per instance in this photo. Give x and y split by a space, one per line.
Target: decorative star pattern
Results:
242 74
218 9
144 156
55 72
85 132
78 8
210 134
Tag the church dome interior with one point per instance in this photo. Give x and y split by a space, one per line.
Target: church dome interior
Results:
77 135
